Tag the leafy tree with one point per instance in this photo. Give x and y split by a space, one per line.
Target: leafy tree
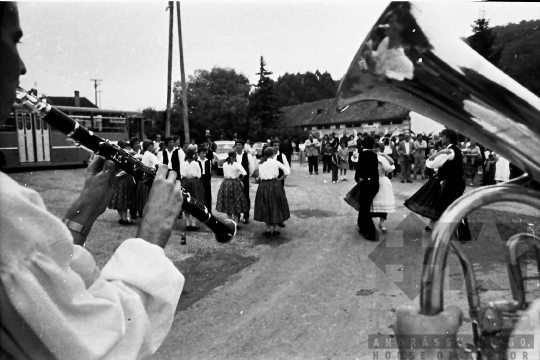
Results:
483 41
263 101
297 89
217 101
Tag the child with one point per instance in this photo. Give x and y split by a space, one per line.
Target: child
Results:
191 182
343 160
335 164
231 198
206 176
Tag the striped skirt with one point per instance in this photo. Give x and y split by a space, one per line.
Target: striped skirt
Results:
271 205
124 194
195 188
231 197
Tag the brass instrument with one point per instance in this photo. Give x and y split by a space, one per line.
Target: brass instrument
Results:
410 59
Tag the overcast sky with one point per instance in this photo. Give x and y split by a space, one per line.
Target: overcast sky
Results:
125 44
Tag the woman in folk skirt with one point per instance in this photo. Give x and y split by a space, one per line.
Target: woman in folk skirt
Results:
150 160
383 202
231 198
271 206
191 182
124 193
343 153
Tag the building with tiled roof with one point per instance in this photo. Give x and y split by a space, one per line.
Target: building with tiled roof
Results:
72 101
365 116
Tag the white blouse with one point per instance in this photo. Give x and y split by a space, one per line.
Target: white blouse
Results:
270 169
190 169
232 171
385 164
77 311
440 160
150 159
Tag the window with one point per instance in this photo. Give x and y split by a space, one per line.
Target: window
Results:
395 122
28 121
19 121
350 125
8 124
38 123
370 123
386 122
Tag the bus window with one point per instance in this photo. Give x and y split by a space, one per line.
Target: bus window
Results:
38 123
28 122
8 124
19 121
45 125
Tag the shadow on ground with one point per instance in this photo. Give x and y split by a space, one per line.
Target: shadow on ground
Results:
205 271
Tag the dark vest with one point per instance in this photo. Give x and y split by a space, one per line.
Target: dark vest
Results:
452 170
207 170
280 159
175 160
367 166
245 162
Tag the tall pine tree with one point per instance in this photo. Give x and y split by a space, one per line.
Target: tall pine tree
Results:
483 40
263 101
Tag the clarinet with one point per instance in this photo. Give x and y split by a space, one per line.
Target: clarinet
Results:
224 230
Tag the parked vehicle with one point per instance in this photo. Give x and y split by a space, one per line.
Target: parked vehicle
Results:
221 153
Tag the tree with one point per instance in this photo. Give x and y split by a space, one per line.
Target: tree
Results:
483 40
297 89
217 101
263 101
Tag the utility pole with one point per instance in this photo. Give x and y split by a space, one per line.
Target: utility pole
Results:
96 83
169 76
183 75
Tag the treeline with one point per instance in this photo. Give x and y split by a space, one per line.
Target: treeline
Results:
224 102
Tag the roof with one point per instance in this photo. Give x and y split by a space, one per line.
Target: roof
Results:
324 112
69 101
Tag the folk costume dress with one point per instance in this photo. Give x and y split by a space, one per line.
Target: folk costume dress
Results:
231 196
191 182
125 190
271 205
383 202
143 190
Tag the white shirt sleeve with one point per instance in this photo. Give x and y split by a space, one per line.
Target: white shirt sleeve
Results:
286 169
385 164
181 155
123 312
160 157
286 163
252 164
440 160
240 169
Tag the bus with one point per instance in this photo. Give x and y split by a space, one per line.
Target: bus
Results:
26 141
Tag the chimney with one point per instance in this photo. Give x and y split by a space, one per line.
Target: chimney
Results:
77 99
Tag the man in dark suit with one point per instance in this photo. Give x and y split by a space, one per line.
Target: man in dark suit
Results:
451 172
248 163
206 175
367 175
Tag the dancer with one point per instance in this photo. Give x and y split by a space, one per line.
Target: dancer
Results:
383 202
191 182
248 163
231 198
271 206
150 160
367 175
124 193
206 175
450 170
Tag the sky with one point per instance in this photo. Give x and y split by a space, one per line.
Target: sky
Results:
125 44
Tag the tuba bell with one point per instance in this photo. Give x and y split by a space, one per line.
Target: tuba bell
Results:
407 59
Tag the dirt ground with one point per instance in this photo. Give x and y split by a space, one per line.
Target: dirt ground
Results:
315 292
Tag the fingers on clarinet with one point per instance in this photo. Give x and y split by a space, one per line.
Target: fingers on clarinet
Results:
162 171
96 165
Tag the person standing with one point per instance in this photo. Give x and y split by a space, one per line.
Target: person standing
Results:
271 205
170 156
334 161
191 182
450 171
327 154
150 160
419 155
383 202
502 170
247 162
206 176
135 145
351 144
279 156
231 198
287 149
367 175
302 153
124 194
343 154
405 150
157 143
312 152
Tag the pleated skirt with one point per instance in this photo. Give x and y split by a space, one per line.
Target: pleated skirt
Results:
124 194
271 205
142 196
384 202
195 188
231 198
425 202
